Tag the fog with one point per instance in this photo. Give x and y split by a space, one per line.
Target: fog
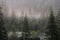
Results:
33 8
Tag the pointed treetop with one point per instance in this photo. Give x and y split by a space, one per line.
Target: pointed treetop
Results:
51 11
1 10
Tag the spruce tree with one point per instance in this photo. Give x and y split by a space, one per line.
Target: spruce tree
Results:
3 32
26 31
58 23
52 28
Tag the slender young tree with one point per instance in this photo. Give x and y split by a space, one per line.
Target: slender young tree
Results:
3 32
52 28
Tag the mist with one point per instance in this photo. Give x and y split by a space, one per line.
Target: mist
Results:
30 7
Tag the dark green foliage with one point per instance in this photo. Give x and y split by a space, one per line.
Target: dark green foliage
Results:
36 27
37 38
26 30
3 32
52 28
58 23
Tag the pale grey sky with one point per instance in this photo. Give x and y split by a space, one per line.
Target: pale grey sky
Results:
34 8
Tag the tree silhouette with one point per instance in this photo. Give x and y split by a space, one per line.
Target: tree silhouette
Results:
52 28
26 31
3 32
58 23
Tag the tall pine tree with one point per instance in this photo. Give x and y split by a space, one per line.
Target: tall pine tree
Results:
3 32
26 31
58 23
52 28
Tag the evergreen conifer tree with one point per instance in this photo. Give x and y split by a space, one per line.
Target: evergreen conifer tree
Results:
52 28
26 31
58 23
3 32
